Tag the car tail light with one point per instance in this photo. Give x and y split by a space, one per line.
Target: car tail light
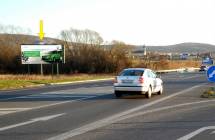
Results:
141 80
115 80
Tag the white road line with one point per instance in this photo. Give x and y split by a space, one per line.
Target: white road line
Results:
85 81
26 96
4 111
183 78
163 108
213 132
114 118
58 103
47 93
46 118
52 96
191 77
81 90
191 135
6 99
13 109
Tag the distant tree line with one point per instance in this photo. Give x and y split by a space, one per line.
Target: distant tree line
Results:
85 52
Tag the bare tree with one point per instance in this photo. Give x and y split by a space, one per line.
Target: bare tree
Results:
86 36
11 29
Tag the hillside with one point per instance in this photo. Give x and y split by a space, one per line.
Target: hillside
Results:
16 40
184 48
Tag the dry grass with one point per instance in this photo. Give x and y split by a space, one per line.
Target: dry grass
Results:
183 63
49 77
20 81
167 64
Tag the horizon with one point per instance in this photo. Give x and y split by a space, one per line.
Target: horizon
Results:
126 43
137 22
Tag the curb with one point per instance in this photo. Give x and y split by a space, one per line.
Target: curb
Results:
83 81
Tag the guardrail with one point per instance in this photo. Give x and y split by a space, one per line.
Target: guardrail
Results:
179 70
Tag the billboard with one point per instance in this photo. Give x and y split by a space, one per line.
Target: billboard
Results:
42 54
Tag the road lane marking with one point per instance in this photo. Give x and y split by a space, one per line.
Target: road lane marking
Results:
213 132
4 111
114 118
162 109
184 78
194 133
55 104
70 92
41 96
192 77
52 96
13 109
45 118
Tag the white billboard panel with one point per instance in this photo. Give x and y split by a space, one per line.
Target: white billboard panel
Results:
42 54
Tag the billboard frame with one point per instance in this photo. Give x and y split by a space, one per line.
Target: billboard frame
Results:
63 55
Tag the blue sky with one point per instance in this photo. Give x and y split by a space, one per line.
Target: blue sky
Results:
149 22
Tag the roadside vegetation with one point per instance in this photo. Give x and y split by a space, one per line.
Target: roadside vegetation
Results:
210 93
86 52
22 81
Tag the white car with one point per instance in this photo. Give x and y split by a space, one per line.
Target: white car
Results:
141 80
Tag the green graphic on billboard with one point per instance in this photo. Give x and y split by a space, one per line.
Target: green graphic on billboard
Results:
31 53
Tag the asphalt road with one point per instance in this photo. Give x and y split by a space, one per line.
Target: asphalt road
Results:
91 111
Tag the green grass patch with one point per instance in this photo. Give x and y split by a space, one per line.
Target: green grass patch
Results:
22 81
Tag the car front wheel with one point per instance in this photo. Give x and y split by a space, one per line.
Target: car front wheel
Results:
149 93
161 90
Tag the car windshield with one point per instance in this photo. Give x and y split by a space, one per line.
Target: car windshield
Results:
132 73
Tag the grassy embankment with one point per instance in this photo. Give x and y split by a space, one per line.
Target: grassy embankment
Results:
22 81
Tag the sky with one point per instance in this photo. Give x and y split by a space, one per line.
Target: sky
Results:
138 22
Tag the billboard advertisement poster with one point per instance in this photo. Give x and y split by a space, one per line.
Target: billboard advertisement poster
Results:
42 54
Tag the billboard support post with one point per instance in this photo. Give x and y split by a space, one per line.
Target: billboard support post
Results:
28 69
52 70
57 69
41 69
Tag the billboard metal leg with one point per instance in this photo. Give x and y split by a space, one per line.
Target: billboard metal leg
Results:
57 69
28 69
52 70
41 69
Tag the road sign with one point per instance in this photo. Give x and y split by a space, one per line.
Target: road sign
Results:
211 73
